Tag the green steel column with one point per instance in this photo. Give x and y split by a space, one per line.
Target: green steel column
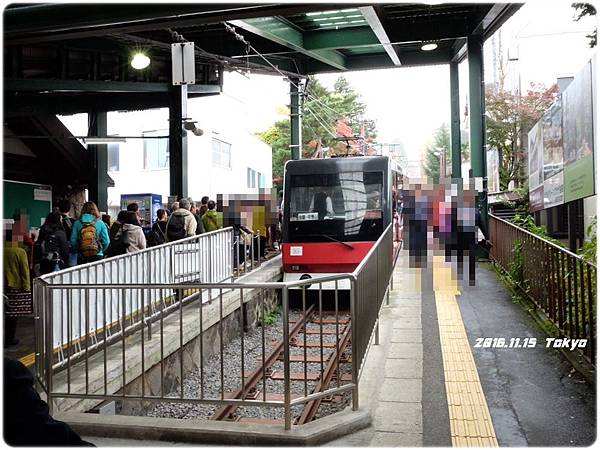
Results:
178 155
455 120
295 119
477 123
97 186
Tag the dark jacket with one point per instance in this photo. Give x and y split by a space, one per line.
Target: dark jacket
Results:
27 421
63 243
159 232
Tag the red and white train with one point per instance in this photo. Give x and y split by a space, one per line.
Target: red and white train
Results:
334 210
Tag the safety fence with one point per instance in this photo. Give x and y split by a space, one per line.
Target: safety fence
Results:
557 281
212 257
106 372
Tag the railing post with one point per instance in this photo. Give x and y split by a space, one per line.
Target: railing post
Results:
210 264
355 351
259 253
237 255
286 359
47 300
252 250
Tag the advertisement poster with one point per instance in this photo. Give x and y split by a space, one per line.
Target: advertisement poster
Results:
554 191
535 152
552 140
536 199
493 170
578 137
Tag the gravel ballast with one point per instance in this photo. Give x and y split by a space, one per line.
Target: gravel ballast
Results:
253 354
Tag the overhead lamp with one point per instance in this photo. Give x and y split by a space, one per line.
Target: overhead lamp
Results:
140 61
429 47
103 140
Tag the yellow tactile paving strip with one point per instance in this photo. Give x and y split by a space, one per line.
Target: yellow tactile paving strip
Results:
470 420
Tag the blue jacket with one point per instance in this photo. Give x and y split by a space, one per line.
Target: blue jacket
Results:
101 229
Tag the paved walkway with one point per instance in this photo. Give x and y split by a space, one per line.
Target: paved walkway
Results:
394 394
437 389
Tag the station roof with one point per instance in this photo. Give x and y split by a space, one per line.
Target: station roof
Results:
75 54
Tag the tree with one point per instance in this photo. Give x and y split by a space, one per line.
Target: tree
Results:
509 119
441 143
324 112
582 10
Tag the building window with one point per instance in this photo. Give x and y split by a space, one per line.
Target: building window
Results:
221 153
250 178
260 180
156 151
113 157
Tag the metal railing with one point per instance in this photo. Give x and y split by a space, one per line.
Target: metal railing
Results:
107 371
203 258
557 281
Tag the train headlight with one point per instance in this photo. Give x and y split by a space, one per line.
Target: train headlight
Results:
306 276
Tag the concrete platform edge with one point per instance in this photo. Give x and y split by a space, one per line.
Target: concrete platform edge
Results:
225 433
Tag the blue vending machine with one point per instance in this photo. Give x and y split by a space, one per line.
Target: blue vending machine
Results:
148 203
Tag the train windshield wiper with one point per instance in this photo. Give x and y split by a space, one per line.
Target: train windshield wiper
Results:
345 244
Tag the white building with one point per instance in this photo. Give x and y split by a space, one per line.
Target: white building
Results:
226 159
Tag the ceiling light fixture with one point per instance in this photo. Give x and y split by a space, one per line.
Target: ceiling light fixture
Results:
140 61
103 140
429 47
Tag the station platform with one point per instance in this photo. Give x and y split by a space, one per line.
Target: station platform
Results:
426 384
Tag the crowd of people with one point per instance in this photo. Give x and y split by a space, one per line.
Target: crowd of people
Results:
64 242
441 219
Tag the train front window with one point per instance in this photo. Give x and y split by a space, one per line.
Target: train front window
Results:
346 206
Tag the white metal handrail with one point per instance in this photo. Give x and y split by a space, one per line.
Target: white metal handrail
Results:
202 258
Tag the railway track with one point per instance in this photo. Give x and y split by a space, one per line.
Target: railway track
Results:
331 338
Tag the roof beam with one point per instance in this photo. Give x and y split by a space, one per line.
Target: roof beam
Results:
416 31
54 22
344 38
278 31
41 85
487 23
376 25
412 58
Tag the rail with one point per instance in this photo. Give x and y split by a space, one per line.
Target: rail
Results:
557 281
110 366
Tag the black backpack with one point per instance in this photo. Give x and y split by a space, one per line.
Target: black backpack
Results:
48 247
119 245
176 228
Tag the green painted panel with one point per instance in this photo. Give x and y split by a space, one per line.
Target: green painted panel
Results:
347 37
579 179
28 198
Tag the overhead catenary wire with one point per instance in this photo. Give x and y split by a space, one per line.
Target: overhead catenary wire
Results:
321 123
242 39
229 63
